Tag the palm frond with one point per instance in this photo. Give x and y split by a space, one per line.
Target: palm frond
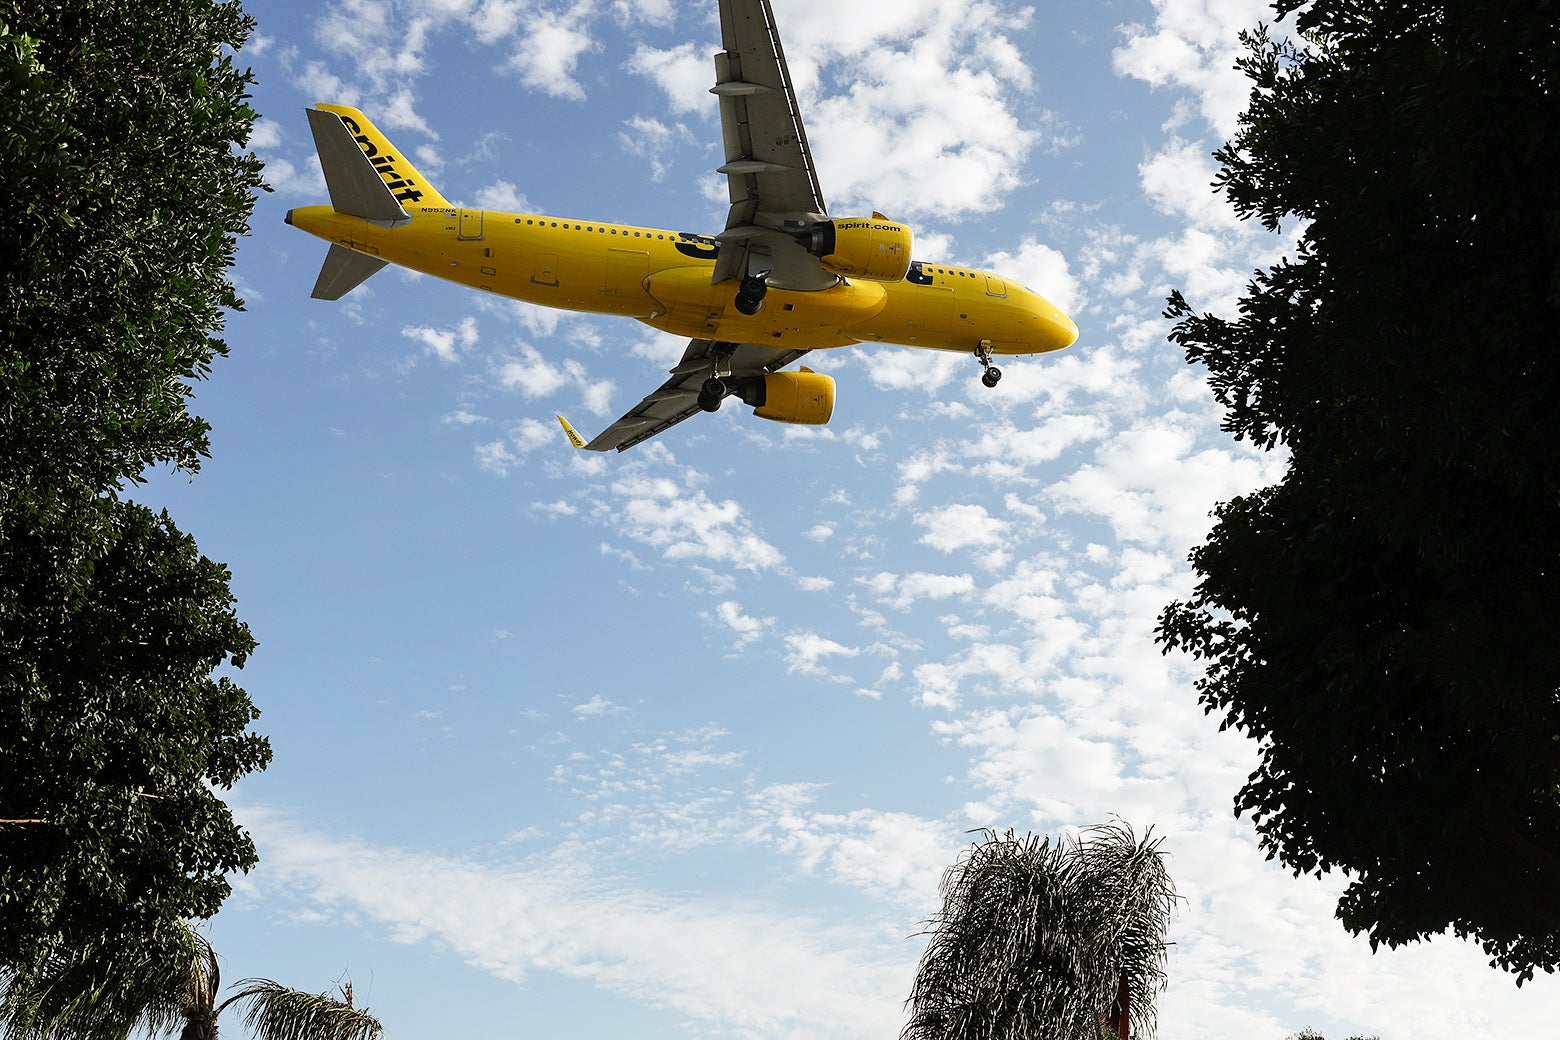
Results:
1036 936
103 992
1129 901
276 1012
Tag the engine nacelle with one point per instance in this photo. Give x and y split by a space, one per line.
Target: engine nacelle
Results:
803 397
874 248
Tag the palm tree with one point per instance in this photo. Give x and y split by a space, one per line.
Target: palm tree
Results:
98 996
1043 940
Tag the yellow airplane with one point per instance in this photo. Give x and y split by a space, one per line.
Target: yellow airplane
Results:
782 279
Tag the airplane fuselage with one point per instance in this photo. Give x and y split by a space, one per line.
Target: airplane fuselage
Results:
663 279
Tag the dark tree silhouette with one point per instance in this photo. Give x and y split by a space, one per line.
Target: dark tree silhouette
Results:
1383 621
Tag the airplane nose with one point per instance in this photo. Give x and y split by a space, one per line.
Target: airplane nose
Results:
1064 329
289 218
1056 330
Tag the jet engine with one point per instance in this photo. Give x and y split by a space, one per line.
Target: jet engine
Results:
803 397
874 248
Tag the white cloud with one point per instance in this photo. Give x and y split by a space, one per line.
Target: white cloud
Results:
688 525
1179 179
901 592
598 707
446 344
462 417
891 856
954 527
503 196
533 375
1192 46
806 980
548 47
500 457
1154 487
899 368
653 141
655 12
684 73
748 630
807 650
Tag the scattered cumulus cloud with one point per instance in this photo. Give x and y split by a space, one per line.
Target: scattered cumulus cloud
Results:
598 707
446 344
806 652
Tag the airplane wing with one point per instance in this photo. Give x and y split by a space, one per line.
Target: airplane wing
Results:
678 397
769 166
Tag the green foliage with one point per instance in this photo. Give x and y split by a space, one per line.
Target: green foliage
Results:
1036 937
99 992
89 993
115 733
125 197
1383 621
278 1013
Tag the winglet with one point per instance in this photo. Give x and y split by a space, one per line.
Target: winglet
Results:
574 438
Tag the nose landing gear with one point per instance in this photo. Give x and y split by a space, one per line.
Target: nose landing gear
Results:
992 375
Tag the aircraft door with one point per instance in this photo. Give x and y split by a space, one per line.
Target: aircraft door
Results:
470 225
995 286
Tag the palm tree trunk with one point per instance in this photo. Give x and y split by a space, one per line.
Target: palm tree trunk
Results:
199 1026
1120 1020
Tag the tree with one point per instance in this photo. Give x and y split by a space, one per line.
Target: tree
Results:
82 995
1383 620
125 195
1042 940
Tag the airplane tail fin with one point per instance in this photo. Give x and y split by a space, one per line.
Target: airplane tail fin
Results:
335 127
367 178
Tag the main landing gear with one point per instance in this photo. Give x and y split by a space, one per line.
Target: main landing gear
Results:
750 297
992 374
714 390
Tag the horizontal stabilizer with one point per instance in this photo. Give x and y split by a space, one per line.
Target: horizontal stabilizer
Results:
356 188
344 271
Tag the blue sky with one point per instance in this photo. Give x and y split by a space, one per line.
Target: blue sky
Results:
677 743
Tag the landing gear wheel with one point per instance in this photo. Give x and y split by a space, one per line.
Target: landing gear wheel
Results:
711 394
992 374
751 296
